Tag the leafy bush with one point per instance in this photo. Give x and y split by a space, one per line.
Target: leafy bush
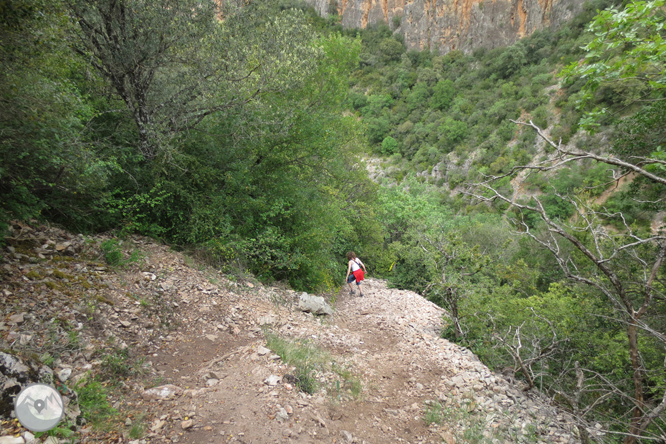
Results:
389 146
377 129
452 132
511 61
443 95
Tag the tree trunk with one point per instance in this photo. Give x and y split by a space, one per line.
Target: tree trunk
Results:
456 323
637 415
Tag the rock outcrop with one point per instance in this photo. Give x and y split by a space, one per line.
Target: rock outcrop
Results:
447 25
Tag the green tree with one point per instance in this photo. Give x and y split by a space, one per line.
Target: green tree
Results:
274 186
511 61
452 264
389 146
443 95
452 132
173 63
377 129
47 167
391 50
418 97
627 49
624 269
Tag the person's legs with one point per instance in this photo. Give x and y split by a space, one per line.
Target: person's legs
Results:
360 291
349 282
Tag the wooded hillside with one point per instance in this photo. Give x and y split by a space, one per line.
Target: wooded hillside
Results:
520 188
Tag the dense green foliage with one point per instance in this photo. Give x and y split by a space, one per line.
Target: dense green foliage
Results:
243 138
549 280
224 135
44 158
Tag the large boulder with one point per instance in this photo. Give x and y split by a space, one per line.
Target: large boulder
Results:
314 304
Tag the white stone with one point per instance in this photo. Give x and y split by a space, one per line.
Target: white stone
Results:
162 392
11 440
272 380
64 374
261 351
282 415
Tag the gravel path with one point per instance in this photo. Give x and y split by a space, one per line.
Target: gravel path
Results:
207 376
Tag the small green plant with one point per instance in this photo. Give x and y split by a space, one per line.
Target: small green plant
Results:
63 430
433 413
348 384
74 340
471 425
116 363
112 252
138 428
309 362
47 359
94 403
155 382
306 359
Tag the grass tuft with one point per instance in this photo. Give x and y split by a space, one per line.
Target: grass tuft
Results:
312 366
94 404
306 359
433 413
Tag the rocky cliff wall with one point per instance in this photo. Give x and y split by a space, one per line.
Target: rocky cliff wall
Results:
447 25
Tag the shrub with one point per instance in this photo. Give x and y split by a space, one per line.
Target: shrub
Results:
540 117
452 132
511 61
389 146
377 129
390 50
94 403
506 131
443 95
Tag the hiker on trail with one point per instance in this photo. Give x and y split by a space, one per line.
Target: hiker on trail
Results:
354 267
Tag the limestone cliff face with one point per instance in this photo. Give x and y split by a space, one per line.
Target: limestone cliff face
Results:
446 25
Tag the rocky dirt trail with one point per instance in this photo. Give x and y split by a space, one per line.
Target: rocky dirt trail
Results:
206 373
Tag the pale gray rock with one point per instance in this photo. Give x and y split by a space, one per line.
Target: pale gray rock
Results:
266 320
314 304
16 319
12 366
272 380
25 339
157 425
261 351
64 374
282 415
163 392
348 437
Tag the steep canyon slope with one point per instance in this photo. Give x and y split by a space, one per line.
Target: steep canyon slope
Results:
186 353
